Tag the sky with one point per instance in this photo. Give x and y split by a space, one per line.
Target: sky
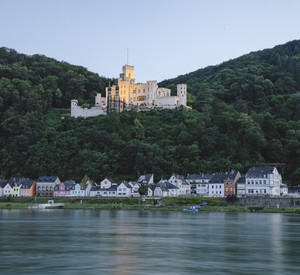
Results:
164 38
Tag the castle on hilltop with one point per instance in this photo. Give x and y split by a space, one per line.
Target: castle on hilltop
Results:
127 95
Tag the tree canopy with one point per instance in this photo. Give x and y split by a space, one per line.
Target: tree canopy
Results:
245 112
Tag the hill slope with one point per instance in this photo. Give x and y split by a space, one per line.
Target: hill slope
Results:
246 112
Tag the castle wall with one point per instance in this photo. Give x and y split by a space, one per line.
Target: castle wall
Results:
77 111
168 101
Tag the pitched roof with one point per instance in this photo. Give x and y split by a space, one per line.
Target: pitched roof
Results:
242 179
199 176
3 183
126 184
258 172
152 186
95 188
220 177
69 183
231 175
180 177
145 178
16 180
113 188
26 184
166 185
111 180
82 186
47 179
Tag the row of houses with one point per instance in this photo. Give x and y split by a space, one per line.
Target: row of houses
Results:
258 181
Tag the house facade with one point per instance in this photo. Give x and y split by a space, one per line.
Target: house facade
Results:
95 191
199 183
230 180
124 190
27 188
135 186
78 190
8 189
184 187
241 186
63 189
2 185
109 192
165 188
16 190
261 181
107 183
45 186
216 185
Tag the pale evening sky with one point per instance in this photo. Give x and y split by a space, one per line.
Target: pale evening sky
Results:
166 38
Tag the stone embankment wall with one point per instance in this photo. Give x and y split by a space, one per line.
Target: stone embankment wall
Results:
269 202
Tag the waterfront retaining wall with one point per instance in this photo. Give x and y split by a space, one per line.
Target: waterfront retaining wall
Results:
269 202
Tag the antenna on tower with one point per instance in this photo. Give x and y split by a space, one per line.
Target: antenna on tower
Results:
127 55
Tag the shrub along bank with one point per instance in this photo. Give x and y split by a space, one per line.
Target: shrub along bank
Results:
129 201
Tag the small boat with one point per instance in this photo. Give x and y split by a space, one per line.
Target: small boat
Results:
193 208
50 203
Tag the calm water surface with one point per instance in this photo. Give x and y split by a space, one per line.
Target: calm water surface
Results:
145 242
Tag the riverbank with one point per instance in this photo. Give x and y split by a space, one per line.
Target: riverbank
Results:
121 206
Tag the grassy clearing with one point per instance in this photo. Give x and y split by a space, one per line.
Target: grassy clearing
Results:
13 205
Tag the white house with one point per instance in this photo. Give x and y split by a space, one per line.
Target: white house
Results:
124 190
2 185
241 186
78 190
202 189
216 185
135 188
261 181
283 190
165 189
108 192
199 183
112 191
151 188
184 187
8 189
95 191
107 183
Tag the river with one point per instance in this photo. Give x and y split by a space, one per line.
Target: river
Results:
148 242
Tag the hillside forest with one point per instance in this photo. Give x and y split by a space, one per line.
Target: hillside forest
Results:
245 112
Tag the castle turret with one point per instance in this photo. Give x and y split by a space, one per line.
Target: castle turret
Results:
98 101
182 94
152 88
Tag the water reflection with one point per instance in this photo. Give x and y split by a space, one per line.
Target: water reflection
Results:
148 242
